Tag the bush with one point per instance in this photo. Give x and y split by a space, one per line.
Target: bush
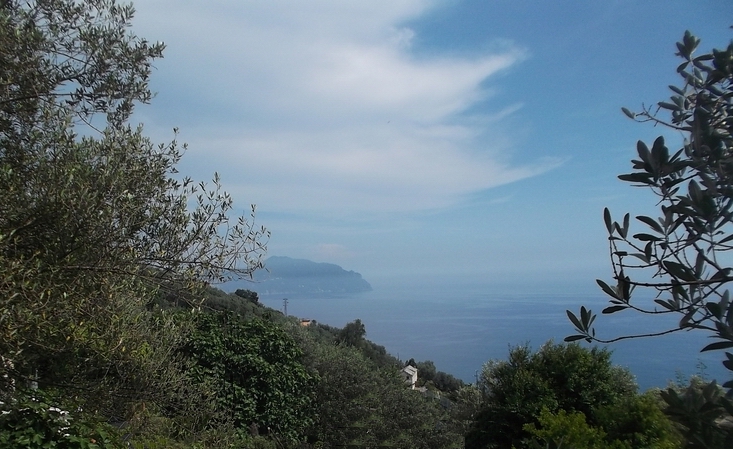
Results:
557 377
32 421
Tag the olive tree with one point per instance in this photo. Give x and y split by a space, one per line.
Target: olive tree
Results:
95 223
682 254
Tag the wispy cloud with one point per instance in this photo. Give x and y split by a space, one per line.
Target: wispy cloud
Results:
322 106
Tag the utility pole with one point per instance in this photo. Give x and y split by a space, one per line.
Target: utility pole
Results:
285 306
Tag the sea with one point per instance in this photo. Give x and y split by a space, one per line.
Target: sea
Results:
461 327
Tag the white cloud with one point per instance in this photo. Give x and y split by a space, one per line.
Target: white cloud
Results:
320 106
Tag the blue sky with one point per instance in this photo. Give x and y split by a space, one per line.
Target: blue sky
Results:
452 141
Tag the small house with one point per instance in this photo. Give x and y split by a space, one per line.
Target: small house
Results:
409 373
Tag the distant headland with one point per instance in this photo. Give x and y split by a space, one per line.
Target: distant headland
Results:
288 276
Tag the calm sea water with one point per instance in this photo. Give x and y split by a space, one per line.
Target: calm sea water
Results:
460 328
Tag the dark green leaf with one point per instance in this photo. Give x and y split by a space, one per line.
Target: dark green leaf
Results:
678 271
647 238
695 192
607 220
574 320
628 113
607 289
572 338
648 250
618 229
677 90
641 178
650 222
728 308
714 309
613 309
699 264
718 345
690 42
669 106
624 287
641 257
584 316
729 362
685 321
721 275
625 229
669 305
683 51
643 151
660 153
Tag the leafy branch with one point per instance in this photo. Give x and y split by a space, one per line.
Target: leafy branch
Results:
681 253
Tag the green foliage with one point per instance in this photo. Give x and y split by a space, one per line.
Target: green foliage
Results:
638 421
222 437
31 421
702 414
557 377
249 306
428 375
680 253
568 430
360 404
254 371
94 224
248 295
352 334
465 404
64 57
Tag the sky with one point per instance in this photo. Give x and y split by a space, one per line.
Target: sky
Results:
446 141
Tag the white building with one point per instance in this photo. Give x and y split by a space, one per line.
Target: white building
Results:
410 375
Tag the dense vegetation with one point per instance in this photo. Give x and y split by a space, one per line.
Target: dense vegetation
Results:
110 336
559 391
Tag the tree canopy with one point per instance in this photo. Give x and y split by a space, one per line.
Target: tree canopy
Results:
556 377
253 369
94 221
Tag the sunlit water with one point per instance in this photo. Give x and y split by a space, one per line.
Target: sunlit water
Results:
461 328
